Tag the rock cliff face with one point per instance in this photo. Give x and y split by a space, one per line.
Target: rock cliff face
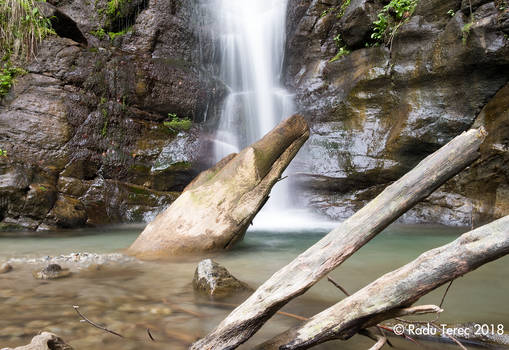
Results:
86 141
376 112
84 131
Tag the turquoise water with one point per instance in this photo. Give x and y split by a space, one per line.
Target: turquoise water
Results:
133 296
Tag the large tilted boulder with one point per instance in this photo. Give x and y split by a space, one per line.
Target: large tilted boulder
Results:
45 341
215 209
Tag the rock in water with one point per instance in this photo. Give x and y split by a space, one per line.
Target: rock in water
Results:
45 341
216 208
6 267
212 279
52 272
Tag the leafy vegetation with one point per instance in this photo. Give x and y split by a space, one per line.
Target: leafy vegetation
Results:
22 27
178 124
451 13
99 33
114 35
3 153
465 31
342 49
391 18
7 75
340 11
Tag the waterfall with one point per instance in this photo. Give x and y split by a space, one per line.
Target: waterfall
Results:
251 42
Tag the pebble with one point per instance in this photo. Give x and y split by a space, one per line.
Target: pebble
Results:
51 272
5 267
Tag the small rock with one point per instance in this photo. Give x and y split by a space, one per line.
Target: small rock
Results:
6 267
51 272
44 341
214 280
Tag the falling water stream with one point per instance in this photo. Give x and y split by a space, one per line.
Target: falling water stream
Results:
251 47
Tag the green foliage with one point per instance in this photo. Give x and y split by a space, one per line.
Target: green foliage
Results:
99 33
22 27
380 27
391 17
343 7
7 76
341 52
3 153
114 7
451 13
178 124
114 35
465 31
326 12
342 49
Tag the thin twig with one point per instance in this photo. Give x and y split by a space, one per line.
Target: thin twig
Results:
150 335
450 336
85 319
281 179
401 335
380 343
338 286
445 294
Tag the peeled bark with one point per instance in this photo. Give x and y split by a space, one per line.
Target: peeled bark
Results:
383 298
316 262
215 210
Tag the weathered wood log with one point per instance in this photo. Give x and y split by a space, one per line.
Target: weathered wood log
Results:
215 210
309 267
384 298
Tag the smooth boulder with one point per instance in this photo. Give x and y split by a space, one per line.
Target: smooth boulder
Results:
214 280
217 207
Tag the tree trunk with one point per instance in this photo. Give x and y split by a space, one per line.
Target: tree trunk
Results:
383 298
309 267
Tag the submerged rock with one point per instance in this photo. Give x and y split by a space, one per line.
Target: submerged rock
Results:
216 208
44 341
6 267
212 279
52 272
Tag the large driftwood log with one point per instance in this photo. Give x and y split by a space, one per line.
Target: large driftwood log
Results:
309 267
384 298
215 209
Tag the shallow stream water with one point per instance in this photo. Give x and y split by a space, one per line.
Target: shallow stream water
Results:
130 296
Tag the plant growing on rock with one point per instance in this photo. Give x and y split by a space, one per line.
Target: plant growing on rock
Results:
22 27
3 153
342 49
391 18
7 77
178 124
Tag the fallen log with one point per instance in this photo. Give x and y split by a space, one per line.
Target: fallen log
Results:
385 298
309 267
216 208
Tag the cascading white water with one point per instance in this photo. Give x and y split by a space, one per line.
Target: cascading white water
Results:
252 36
251 48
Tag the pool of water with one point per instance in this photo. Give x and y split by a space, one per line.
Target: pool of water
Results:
131 296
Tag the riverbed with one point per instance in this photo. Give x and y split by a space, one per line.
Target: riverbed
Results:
129 296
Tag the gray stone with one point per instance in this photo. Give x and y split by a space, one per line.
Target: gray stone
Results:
214 280
5 267
51 272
